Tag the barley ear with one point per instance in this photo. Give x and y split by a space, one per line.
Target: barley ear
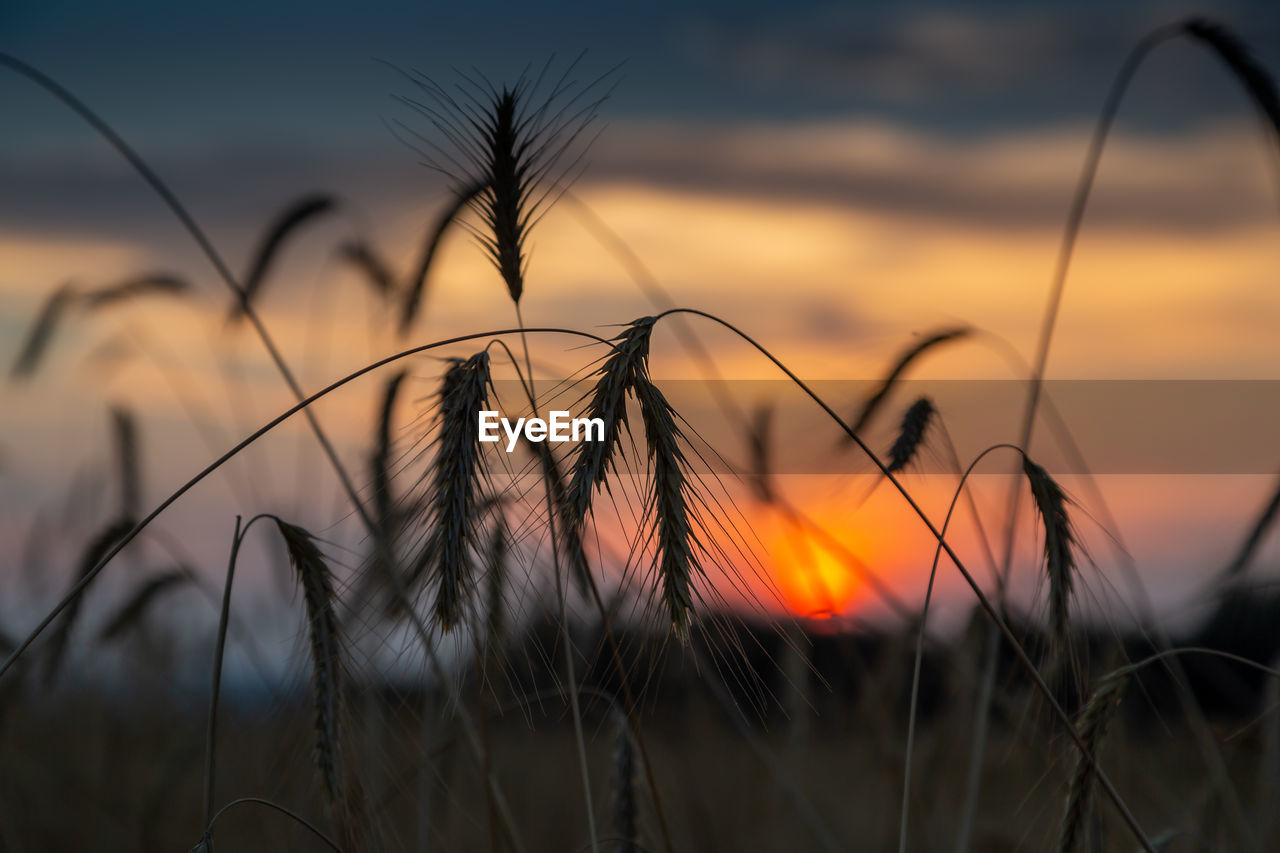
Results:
1091 728
625 373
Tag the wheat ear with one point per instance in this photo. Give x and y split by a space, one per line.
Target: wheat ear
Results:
326 663
454 492
677 554
1092 728
614 381
915 425
510 154
623 806
1059 545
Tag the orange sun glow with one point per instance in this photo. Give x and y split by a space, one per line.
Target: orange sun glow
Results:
816 580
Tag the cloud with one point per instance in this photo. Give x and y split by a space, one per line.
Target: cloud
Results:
1027 57
874 52
1211 179
1208 179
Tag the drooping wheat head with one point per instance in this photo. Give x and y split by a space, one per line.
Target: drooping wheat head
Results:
676 558
326 656
593 460
1059 545
624 375
455 488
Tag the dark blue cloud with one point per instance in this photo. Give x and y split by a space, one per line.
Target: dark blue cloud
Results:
308 69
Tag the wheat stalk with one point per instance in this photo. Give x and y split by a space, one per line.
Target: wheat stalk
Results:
759 446
380 460
1091 728
569 530
1255 79
125 429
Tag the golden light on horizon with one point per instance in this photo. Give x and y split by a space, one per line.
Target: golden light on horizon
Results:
816 579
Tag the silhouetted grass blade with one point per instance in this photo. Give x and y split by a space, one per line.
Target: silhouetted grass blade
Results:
136 606
125 429
416 289
1238 58
92 554
42 331
146 285
877 398
294 217
372 267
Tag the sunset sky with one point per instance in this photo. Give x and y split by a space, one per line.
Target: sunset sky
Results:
833 178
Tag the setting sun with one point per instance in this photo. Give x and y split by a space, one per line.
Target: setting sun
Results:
816 579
